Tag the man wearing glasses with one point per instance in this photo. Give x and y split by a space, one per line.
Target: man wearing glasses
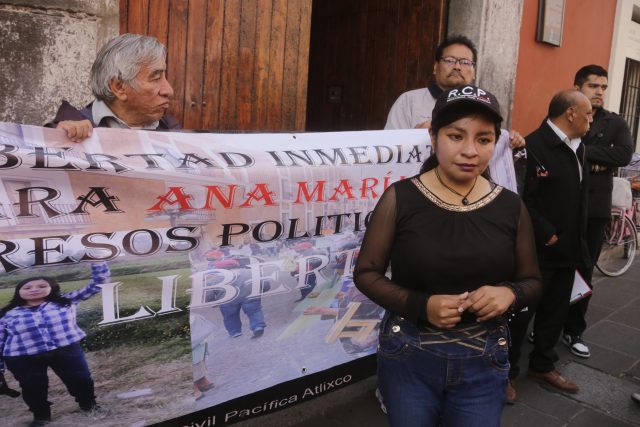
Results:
455 65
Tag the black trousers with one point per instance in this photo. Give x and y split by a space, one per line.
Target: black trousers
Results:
551 316
518 326
576 322
67 362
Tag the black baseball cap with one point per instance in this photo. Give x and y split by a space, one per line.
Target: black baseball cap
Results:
467 95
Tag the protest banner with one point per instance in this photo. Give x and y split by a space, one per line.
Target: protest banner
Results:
231 256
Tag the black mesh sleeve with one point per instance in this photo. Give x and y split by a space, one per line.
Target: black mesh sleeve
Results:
373 260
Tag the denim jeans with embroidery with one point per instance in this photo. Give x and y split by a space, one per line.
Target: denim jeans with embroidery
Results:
436 377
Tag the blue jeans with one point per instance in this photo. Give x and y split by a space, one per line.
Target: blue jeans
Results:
231 315
67 362
436 377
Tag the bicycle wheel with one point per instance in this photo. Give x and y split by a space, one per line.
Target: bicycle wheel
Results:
618 248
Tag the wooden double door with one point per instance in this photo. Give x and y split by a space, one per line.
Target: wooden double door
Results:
285 65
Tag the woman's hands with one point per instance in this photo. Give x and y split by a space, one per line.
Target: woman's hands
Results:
486 302
443 311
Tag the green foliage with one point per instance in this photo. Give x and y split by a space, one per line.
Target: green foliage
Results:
171 330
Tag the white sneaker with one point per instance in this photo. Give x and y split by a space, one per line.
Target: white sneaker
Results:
577 346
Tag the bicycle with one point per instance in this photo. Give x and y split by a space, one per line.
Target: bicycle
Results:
620 241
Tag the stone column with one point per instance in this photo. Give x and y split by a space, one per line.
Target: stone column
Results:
494 26
47 48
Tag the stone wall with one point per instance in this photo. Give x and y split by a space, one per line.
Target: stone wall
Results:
47 48
494 26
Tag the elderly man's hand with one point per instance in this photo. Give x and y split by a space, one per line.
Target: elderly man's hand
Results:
516 140
77 130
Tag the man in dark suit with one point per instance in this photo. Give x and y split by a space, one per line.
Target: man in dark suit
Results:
555 193
607 146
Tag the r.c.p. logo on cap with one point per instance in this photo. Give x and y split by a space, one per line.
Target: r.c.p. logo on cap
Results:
470 92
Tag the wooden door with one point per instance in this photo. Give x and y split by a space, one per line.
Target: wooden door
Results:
364 54
233 64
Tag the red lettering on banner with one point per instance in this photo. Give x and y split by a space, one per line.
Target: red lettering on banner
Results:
371 188
175 195
260 192
214 190
344 189
303 190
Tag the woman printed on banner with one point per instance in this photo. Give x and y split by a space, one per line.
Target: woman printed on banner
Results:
462 256
38 330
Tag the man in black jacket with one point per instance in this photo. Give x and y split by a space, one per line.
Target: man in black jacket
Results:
607 146
128 81
555 193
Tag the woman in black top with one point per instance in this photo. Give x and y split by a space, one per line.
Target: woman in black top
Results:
462 256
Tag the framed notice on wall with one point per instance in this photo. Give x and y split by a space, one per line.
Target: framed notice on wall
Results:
550 19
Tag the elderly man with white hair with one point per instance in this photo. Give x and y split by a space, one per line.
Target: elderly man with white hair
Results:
128 81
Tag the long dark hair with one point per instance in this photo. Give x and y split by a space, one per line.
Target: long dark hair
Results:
446 118
54 295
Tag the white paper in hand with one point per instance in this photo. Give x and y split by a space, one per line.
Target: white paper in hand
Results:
580 288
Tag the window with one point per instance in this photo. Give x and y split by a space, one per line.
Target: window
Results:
630 104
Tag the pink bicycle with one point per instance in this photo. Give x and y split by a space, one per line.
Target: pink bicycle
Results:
620 241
